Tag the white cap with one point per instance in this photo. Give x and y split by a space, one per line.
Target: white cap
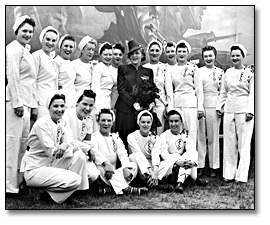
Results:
45 30
186 43
101 45
85 40
154 41
19 21
242 47
141 113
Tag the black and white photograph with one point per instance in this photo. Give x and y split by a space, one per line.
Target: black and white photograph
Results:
131 108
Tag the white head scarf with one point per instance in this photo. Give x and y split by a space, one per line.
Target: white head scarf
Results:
19 21
148 47
45 30
141 113
242 47
102 46
186 43
180 113
51 96
85 40
62 39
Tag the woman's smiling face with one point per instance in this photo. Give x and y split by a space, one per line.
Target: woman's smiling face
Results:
25 34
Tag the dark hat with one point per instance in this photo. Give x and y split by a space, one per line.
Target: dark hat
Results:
133 46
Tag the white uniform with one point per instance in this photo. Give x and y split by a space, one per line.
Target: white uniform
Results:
237 98
209 125
109 148
47 79
83 75
20 92
66 81
79 130
187 94
159 70
179 147
102 83
145 151
114 94
60 177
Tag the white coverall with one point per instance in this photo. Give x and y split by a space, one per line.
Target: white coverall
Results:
185 88
145 151
208 130
180 147
109 148
237 98
47 79
60 177
20 92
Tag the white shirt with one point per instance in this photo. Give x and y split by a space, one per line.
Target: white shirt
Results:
21 75
83 75
186 86
211 81
237 91
66 80
102 83
47 76
149 146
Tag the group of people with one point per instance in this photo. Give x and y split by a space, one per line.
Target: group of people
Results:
75 125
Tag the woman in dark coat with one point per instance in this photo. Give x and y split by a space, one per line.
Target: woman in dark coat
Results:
129 77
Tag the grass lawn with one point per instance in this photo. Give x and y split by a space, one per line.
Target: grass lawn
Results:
216 195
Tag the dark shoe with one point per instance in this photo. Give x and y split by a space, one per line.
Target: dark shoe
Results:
105 190
165 187
200 172
135 190
228 180
212 173
179 188
201 182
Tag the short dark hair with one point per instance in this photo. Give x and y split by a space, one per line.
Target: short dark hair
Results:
209 48
104 47
104 111
234 47
68 37
120 47
87 93
181 45
27 20
57 96
169 44
174 112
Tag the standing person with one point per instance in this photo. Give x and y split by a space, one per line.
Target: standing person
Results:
102 81
117 60
108 148
154 51
21 101
81 124
67 73
128 77
180 150
169 50
208 130
185 88
52 162
236 101
84 64
47 74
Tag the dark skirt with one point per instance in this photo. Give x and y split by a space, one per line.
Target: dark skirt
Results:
125 124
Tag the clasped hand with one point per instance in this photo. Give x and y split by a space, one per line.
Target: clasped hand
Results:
127 174
108 170
58 154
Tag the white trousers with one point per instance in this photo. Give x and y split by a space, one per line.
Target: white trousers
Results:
17 130
237 140
190 122
62 178
118 181
208 139
164 169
